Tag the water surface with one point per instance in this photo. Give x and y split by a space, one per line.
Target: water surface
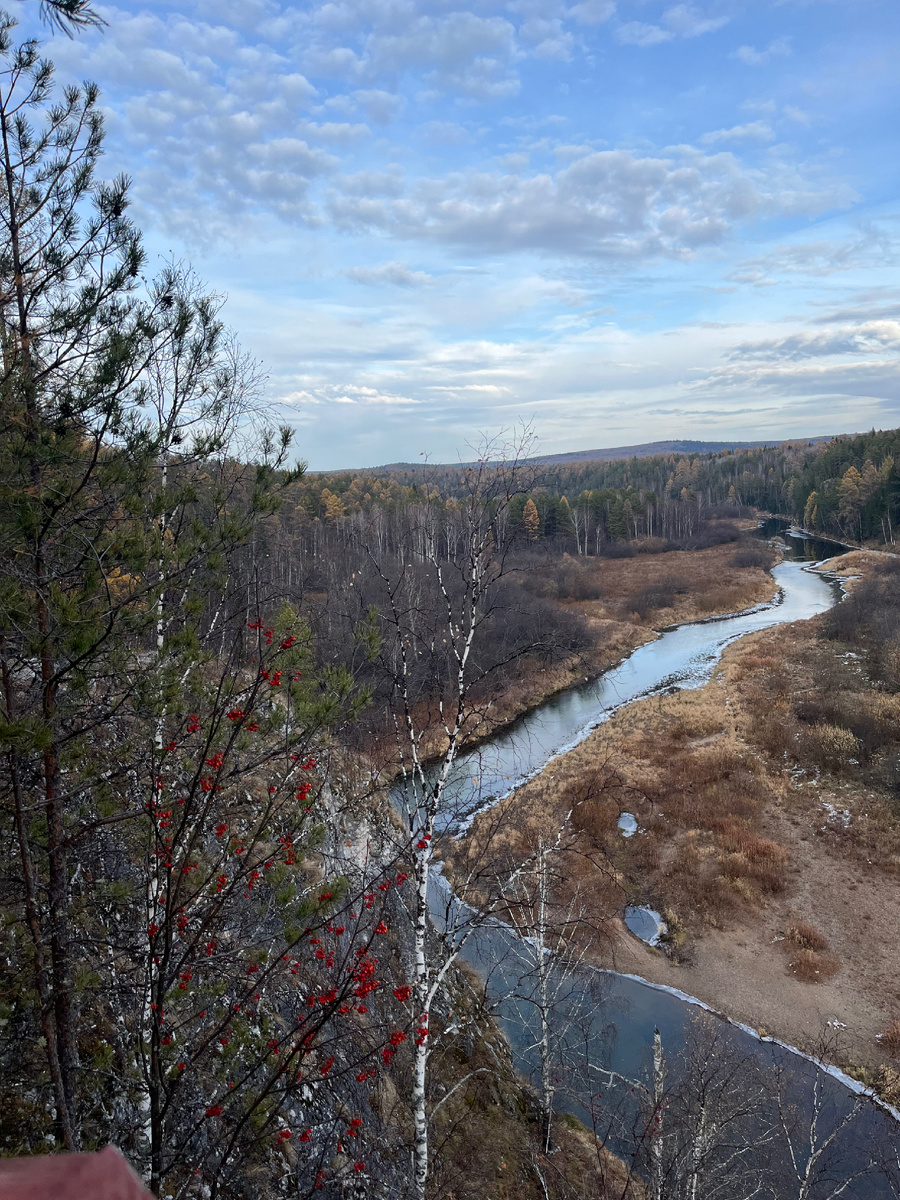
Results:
683 657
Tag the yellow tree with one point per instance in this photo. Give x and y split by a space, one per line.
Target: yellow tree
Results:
811 510
531 520
850 497
334 506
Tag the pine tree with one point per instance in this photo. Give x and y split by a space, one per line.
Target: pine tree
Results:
70 16
159 785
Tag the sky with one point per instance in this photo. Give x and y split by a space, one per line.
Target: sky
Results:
616 220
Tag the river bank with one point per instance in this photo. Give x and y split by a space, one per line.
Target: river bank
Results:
640 595
870 547
744 841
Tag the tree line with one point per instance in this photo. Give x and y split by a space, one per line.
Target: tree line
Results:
848 487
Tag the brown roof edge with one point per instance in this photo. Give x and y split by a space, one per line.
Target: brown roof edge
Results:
102 1176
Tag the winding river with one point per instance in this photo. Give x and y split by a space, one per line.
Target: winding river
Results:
621 1012
682 657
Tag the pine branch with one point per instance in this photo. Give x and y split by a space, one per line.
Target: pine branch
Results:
70 16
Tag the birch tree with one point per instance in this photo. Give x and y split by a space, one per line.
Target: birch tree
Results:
814 1127
442 698
549 955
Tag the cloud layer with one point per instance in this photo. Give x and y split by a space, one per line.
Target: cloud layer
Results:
628 218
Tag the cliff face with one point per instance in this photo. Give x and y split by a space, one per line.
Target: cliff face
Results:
485 1121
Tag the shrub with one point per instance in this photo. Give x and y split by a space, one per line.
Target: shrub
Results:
652 545
575 582
828 746
871 717
774 734
889 664
618 550
890 1039
765 875
869 618
886 770
810 967
805 936
753 554
887 1084
655 596
712 533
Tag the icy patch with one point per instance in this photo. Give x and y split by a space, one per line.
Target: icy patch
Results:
628 824
852 1085
645 923
839 816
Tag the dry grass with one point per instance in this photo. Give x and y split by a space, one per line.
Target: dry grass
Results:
699 797
813 711
587 886
828 746
810 967
805 936
890 1039
660 589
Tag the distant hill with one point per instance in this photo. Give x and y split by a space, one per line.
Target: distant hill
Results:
645 450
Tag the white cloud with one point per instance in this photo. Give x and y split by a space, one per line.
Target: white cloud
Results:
548 37
875 378
396 273
349 393
610 203
460 52
798 115
339 133
518 226
638 33
372 183
590 383
863 338
779 48
755 131
679 20
593 12
687 21
766 108
379 106
867 309
872 248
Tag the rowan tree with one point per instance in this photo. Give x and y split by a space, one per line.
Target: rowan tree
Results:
176 946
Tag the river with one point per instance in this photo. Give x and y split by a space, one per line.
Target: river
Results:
611 1016
682 657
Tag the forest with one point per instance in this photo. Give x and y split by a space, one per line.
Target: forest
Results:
847 487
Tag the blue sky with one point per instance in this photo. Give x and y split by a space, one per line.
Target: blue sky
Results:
622 221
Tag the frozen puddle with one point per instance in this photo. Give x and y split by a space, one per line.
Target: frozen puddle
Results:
628 824
645 923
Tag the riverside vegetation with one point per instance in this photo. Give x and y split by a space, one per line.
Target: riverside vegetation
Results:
769 811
